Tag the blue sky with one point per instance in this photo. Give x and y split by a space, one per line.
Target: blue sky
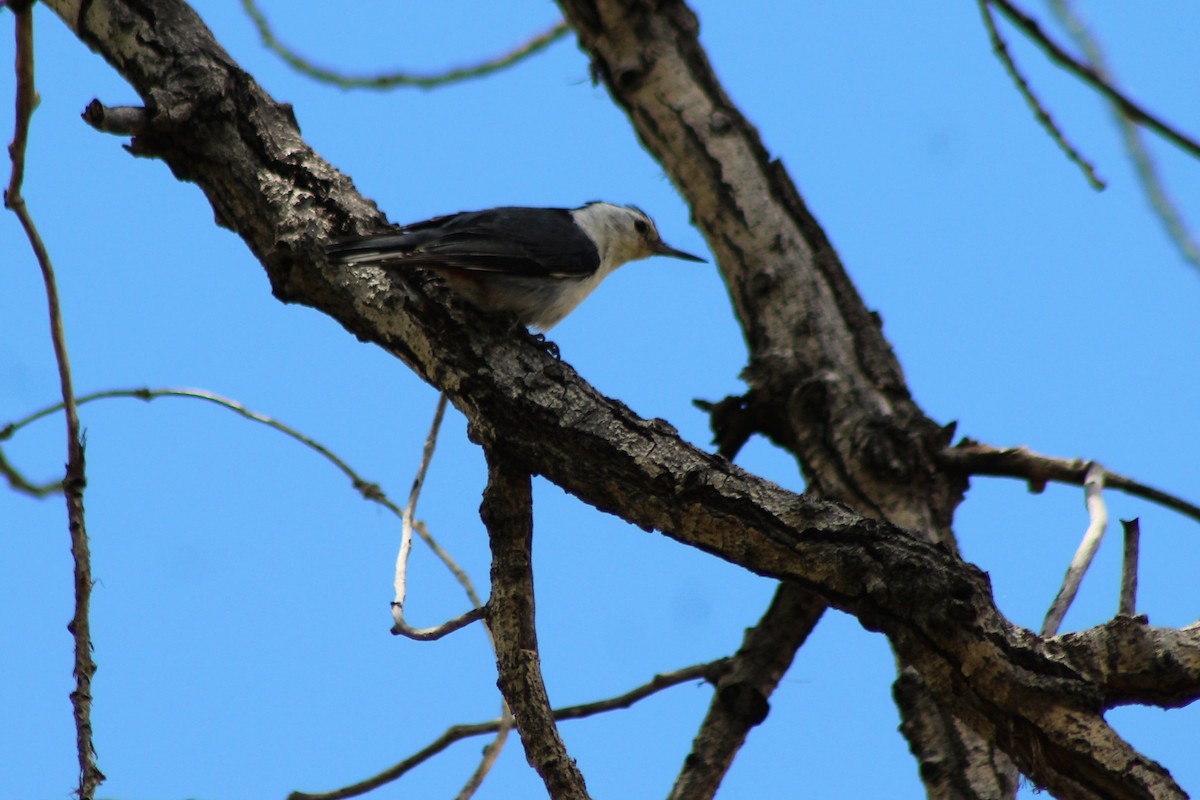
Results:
241 611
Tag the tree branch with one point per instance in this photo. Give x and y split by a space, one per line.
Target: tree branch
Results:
1131 135
969 457
90 776
741 700
1030 27
1136 663
368 489
710 672
264 182
1000 47
394 80
1127 605
508 513
1093 487
400 626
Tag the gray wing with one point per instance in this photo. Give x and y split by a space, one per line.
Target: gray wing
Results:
526 242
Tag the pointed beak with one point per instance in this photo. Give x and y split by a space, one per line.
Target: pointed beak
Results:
663 249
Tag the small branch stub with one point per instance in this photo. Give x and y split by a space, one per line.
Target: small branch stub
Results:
1127 607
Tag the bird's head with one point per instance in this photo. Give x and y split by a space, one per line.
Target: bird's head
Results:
623 234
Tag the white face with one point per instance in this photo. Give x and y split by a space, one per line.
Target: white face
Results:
646 231
623 234
628 233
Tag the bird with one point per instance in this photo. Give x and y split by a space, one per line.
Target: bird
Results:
537 263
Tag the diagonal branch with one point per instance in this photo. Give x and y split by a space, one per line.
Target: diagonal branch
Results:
711 672
740 702
1000 47
1093 487
1085 72
1156 191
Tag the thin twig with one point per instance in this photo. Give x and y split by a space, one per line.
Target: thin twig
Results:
90 776
1152 184
490 753
410 510
19 483
1029 26
1093 488
368 489
392 80
1127 606
710 672
973 458
400 626
1000 47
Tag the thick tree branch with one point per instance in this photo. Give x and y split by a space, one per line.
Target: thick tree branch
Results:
741 699
1136 663
824 383
507 512
245 153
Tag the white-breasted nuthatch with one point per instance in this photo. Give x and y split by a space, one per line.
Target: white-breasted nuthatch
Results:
538 263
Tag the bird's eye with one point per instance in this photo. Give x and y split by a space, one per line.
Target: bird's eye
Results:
641 226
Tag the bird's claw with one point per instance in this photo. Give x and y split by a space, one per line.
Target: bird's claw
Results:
550 348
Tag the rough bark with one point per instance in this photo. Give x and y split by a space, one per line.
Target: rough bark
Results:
1041 702
741 700
824 383
508 513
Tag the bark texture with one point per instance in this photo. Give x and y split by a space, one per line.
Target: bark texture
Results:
508 513
823 383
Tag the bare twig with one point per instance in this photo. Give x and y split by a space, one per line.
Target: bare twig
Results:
1093 488
368 489
1029 26
19 483
490 753
1043 116
400 626
392 80
1127 606
90 776
1143 162
507 512
972 458
710 671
